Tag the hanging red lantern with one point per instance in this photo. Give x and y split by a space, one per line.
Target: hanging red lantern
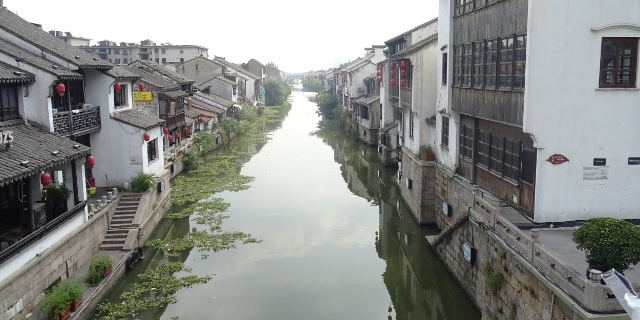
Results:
379 79
403 73
393 65
403 63
165 130
393 82
60 89
91 161
45 179
177 135
403 83
140 86
117 86
379 73
185 130
393 74
170 138
146 137
202 119
196 122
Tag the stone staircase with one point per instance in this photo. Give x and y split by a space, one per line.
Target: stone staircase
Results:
122 222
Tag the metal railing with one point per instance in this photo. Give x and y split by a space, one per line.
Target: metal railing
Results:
39 233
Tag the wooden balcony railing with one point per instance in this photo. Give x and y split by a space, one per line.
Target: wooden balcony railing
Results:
405 96
175 120
77 122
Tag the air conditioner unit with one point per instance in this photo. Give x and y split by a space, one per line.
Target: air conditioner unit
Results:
87 105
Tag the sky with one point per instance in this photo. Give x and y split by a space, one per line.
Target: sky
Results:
297 36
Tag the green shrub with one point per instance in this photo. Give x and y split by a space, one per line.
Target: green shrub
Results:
142 182
493 278
204 140
97 264
191 158
61 295
609 243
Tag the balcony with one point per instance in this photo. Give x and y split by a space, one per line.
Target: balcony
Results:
175 120
405 96
77 122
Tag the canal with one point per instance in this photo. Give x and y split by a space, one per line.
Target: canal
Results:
336 242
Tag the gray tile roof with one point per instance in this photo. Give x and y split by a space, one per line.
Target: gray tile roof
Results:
221 77
409 31
11 74
258 62
236 67
36 146
121 73
212 99
415 47
367 100
12 23
138 119
152 79
39 62
156 67
174 94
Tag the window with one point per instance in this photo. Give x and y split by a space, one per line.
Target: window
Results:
512 159
444 68
491 56
409 75
152 153
181 59
496 153
117 60
520 61
155 50
181 52
445 132
116 51
457 65
364 112
466 142
505 58
478 64
163 51
164 60
483 148
9 102
73 97
528 164
157 60
618 62
124 61
466 65
411 114
120 96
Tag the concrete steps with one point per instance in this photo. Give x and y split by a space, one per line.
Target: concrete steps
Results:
121 222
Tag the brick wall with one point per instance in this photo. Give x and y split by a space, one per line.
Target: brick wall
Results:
420 195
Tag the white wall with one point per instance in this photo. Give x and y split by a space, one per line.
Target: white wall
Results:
447 155
568 114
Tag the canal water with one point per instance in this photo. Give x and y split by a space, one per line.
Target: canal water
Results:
336 241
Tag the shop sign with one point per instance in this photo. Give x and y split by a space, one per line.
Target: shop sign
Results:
557 159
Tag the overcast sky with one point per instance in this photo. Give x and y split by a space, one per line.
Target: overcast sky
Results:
296 35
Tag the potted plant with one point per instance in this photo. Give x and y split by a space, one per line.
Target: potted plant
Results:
427 153
56 197
608 243
58 301
99 267
142 182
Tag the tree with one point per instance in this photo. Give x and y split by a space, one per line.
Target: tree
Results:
327 102
276 92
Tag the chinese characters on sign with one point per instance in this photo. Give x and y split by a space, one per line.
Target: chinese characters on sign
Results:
557 159
142 96
6 137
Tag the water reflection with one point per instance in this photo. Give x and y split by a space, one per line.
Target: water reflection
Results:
337 243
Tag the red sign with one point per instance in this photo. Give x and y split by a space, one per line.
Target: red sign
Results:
557 159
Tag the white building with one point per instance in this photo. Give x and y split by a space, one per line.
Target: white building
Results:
127 52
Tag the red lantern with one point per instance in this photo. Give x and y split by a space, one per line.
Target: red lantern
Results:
177 135
393 82
60 89
165 130
91 161
379 79
140 86
45 179
393 65
117 86
403 83
202 119
196 122
379 73
393 74
403 63
185 130
170 138
146 137
403 73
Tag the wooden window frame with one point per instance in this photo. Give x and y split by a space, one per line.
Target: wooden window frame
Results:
496 154
615 70
152 150
506 54
9 93
444 67
483 152
477 78
457 65
491 63
511 164
466 142
120 98
467 64
520 62
444 140
411 124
